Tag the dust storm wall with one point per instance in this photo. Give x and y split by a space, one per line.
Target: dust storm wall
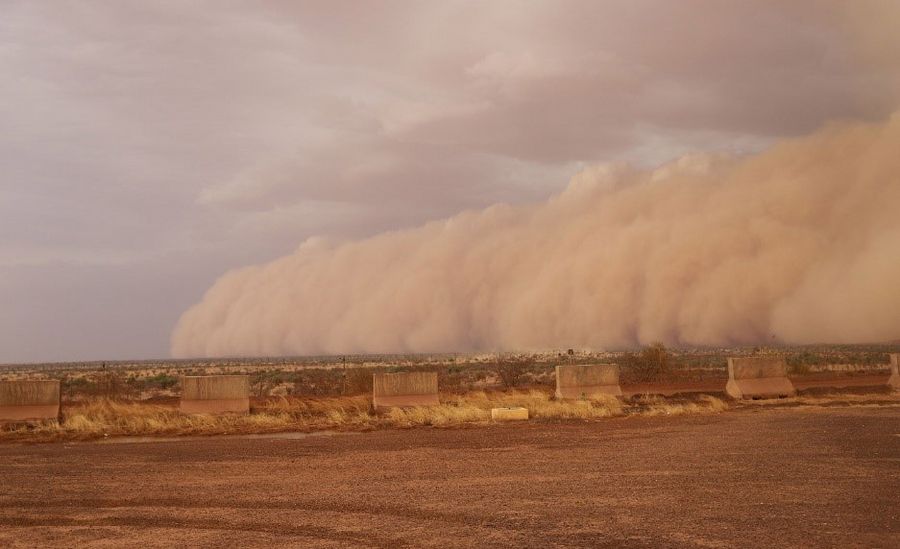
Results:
796 244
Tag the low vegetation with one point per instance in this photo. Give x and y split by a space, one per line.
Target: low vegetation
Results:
652 363
102 417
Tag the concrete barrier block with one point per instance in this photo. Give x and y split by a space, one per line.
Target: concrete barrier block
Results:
586 380
29 400
894 380
405 389
215 394
509 414
759 377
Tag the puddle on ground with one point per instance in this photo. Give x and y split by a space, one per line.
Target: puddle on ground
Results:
283 436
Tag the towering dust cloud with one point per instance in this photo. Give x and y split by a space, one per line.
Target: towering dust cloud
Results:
798 244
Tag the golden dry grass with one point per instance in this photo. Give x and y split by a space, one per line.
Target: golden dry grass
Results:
100 417
656 406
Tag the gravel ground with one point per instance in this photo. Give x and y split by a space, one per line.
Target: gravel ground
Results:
755 476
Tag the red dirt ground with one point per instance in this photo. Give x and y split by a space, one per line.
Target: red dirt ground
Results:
754 477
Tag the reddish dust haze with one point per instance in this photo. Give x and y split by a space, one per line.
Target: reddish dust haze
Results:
800 243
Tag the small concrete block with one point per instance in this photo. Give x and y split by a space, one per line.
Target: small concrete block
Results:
509 414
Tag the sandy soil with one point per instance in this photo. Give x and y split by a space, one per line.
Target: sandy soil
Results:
756 476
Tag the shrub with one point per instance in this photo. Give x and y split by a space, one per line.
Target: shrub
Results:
511 371
651 364
358 381
105 384
319 382
159 381
262 384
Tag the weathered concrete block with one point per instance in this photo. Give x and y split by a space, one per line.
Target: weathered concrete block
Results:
894 380
509 414
29 399
405 389
215 394
586 380
759 377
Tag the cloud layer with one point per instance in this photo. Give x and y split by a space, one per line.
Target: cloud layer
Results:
797 244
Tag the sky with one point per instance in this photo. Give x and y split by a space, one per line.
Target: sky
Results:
146 148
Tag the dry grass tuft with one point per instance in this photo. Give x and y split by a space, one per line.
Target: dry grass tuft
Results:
542 405
656 406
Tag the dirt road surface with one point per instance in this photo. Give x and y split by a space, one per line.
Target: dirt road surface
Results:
757 477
